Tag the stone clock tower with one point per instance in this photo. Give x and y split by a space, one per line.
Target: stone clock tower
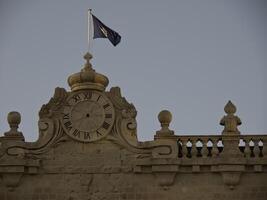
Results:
88 114
88 150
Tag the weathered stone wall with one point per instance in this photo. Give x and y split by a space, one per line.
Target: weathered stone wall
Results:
84 186
103 170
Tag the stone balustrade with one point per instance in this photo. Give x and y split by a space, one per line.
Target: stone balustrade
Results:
197 146
211 146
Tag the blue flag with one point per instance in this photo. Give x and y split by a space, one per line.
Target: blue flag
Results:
102 31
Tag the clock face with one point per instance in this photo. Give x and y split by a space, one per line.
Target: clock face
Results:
88 116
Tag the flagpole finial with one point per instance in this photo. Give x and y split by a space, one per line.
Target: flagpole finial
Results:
88 65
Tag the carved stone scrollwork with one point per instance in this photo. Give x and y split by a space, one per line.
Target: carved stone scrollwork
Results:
51 134
124 130
125 124
55 103
130 114
129 125
165 149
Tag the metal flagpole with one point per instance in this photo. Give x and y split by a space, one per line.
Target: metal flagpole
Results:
89 29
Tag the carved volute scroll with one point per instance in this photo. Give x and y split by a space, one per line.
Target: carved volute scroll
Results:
124 131
125 126
52 108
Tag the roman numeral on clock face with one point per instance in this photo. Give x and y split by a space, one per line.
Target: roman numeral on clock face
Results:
76 133
68 125
108 115
76 98
66 116
87 95
98 133
86 135
98 98
105 125
105 106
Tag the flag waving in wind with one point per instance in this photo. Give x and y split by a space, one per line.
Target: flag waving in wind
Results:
100 30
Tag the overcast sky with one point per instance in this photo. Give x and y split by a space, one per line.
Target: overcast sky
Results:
187 56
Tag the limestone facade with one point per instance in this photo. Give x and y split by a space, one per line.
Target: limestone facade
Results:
88 150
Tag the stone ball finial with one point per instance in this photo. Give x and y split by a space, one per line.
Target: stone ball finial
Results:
14 119
165 118
230 108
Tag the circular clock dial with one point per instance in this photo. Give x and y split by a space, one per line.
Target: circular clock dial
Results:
88 116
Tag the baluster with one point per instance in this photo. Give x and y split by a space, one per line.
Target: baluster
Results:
260 145
247 149
205 151
215 149
210 148
220 146
189 149
180 148
194 147
184 147
264 146
256 147
242 145
251 147
199 147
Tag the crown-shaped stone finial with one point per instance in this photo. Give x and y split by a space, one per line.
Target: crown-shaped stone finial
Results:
87 78
230 121
230 108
